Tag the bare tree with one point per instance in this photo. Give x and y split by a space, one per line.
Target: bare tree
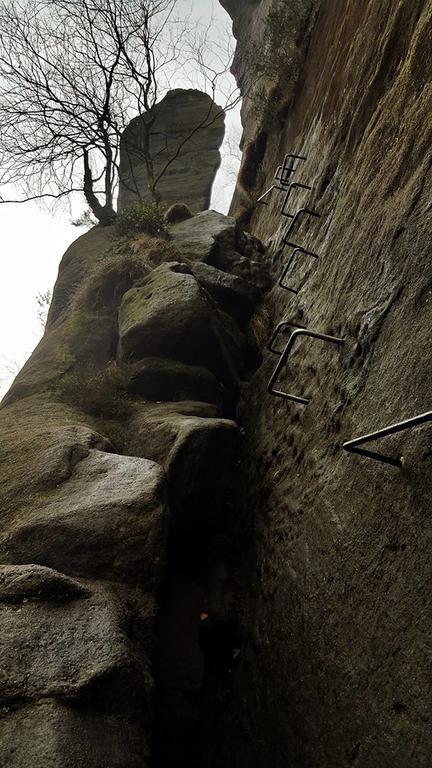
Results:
73 73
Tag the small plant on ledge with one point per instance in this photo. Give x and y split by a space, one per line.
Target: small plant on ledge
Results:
142 218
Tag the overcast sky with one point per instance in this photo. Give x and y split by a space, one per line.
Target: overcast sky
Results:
33 240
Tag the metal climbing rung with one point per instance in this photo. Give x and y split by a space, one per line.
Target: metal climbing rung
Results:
283 170
282 177
297 249
267 192
293 185
280 326
295 218
284 356
401 426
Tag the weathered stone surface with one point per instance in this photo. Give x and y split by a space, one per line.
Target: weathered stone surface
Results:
170 316
335 665
215 239
185 137
50 734
236 296
195 447
107 521
160 379
41 443
88 542
23 582
70 650
79 259
203 236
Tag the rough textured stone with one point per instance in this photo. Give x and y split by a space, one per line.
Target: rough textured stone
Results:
215 239
187 132
170 316
79 259
200 238
195 447
237 297
92 546
335 670
23 582
69 650
88 523
50 734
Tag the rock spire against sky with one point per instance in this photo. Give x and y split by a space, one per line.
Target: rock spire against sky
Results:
33 241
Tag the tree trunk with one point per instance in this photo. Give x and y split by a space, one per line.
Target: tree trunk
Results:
105 214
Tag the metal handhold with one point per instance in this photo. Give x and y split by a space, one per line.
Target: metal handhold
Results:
296 216
401 426
275 334
293 185
281 176
284 169
267 192
284 356
297 249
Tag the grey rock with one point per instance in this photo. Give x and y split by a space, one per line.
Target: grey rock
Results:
215 239
236 296
78 261
107 520
50 734
202 237
160 379
169 315
40 448
186 122
195 447
202 457
23 582
72 651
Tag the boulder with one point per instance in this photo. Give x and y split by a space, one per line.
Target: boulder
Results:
74 651
107 520
202 237
170 316
216 239
24 582
185 136
234 295
194 446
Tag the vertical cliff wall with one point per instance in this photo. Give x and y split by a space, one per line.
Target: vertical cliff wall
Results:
334 550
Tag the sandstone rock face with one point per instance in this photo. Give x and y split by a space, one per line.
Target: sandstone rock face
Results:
170 316
185 136
333 578
118 447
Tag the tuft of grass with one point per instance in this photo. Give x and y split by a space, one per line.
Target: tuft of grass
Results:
127 260
261 325
99 392
140 218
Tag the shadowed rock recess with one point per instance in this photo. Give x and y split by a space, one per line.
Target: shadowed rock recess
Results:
118 452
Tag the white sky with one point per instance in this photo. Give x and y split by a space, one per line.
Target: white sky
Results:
33 240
